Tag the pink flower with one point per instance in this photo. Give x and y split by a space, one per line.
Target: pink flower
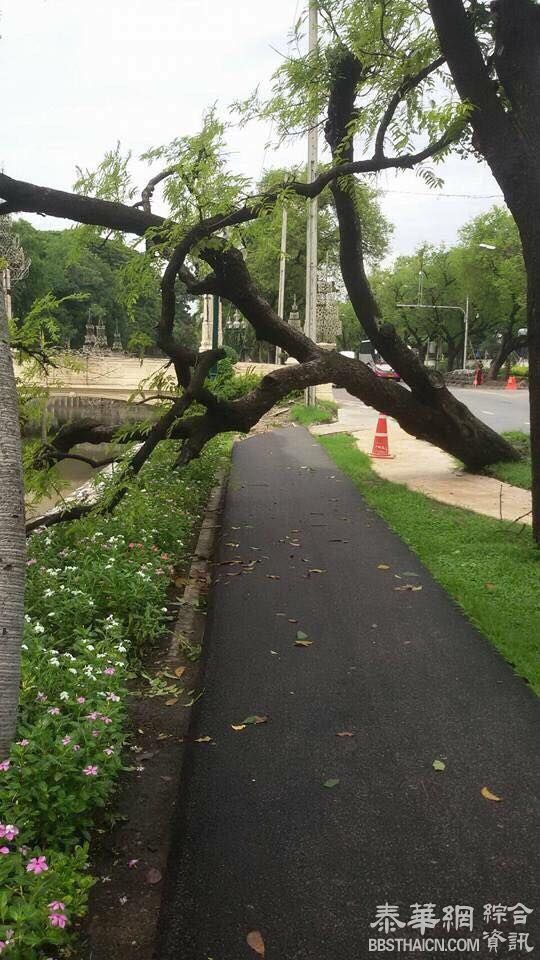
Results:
58 920
9 831
105 720
22 743
56 906
4 850
108 751
76 747
37 865
91 771
81 699
92 716
54 711
113 698
30 563
132 864
95 733
66 741
3 943
5 765
109 671
41 697
159 572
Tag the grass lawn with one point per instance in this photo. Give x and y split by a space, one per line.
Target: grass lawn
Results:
324 411
491 569
518 474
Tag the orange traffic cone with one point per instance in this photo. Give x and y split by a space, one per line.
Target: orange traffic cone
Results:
380 449
511 384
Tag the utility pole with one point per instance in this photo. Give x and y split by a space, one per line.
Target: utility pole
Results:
466 319
282 272
310 327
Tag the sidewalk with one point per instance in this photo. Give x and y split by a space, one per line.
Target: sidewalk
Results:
262 844
425 468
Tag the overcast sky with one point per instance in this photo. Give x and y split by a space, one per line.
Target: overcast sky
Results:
78 76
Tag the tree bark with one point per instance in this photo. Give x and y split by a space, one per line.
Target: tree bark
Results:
12 542
509 139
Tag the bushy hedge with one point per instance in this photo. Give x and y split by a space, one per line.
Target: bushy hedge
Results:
96 597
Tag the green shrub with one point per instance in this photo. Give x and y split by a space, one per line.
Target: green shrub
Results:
519 370
96 598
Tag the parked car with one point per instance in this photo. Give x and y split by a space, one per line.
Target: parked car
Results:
385 371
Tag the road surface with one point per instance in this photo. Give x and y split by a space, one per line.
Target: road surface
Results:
500 409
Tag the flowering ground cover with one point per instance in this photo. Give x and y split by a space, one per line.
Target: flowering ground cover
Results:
96 600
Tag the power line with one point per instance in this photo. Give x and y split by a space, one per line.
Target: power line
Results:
455 196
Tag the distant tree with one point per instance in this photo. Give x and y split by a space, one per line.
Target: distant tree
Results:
67 262
494 275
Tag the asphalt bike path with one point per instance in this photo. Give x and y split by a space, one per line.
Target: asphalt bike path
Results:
325 811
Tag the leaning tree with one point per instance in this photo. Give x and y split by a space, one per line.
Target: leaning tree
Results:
378 80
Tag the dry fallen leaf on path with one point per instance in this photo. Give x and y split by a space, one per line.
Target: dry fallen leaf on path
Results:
410 587
232 545
171 703
345 733
488 795
179 672
256 942
254 720
383 566
238 726
281 614
303 643
153 876
316 570
203 740
272 576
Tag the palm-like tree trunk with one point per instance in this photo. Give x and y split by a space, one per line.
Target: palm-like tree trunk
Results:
12 542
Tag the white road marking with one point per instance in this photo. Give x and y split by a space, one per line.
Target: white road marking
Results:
488 413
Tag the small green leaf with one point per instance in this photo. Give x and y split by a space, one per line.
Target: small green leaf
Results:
300 635
329 784
439 765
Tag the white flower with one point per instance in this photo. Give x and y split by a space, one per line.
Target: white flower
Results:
23 646
72 670
38 628
51 614
54 662
64 695
48 592
90 646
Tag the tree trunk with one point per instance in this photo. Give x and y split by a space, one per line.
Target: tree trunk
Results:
505 348
12 542
531 251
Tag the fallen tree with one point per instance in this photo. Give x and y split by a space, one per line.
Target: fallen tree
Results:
201 253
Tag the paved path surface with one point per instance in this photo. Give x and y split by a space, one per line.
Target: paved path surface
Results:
261 843
500 409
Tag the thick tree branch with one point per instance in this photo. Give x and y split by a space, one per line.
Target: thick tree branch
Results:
408 84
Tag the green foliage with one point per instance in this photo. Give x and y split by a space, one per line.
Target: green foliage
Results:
262 238
464 551
227 385
493 279
392 41
519 370
96 600
82 271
